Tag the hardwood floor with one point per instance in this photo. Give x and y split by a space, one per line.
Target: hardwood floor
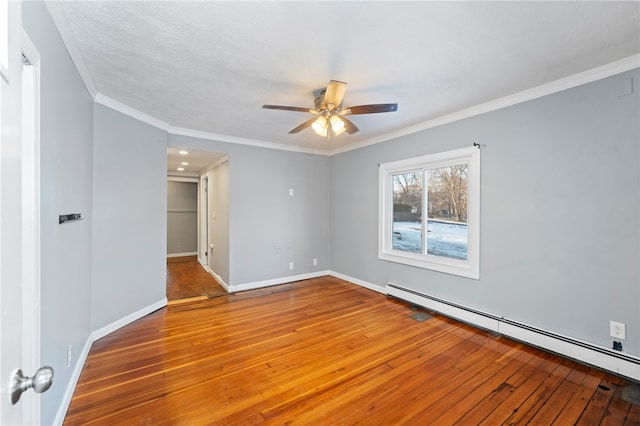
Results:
327 352
186 278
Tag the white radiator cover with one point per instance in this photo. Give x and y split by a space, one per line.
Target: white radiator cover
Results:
598 356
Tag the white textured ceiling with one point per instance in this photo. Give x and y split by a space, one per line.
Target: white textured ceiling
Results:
197 162
210 66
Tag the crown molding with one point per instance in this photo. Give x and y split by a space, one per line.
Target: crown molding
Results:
60 21
131 112
589 76
180 131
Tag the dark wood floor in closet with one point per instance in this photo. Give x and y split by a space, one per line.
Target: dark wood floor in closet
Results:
186 278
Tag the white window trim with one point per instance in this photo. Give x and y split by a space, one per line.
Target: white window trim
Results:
469 268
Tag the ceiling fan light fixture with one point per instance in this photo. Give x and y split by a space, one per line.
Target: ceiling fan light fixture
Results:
338 132
320 126
337 125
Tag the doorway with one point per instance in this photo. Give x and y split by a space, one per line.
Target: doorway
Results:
187 276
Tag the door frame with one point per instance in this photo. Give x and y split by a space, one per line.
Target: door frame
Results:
31 238
204 219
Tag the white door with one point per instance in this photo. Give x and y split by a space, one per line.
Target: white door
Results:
10 209
30 222
19 243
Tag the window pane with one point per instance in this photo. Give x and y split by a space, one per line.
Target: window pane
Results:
407 211
447 233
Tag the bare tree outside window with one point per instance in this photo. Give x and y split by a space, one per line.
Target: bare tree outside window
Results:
407 211
446 208
448 192
447 232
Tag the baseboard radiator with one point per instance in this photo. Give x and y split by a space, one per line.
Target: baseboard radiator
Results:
598 356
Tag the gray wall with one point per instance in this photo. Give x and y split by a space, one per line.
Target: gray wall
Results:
129 227
65 187
263 215
559 212
182 217
219 220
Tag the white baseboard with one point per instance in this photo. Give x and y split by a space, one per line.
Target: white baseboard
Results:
217 277
586 352
73 381
191 253
276 281
361 283
98 334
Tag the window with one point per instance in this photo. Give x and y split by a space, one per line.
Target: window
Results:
429 212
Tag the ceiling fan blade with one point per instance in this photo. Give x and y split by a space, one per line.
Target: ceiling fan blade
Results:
370 109
334 94
349 127
290 108
303 126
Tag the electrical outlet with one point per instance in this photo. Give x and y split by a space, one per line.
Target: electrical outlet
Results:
315 262
291 266
69 356
617 330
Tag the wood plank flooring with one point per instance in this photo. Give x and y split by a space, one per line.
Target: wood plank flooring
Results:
186 278
327 352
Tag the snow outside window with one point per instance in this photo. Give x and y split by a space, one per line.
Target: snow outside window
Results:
429 212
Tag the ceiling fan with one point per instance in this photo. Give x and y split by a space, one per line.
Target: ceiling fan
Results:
330 120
